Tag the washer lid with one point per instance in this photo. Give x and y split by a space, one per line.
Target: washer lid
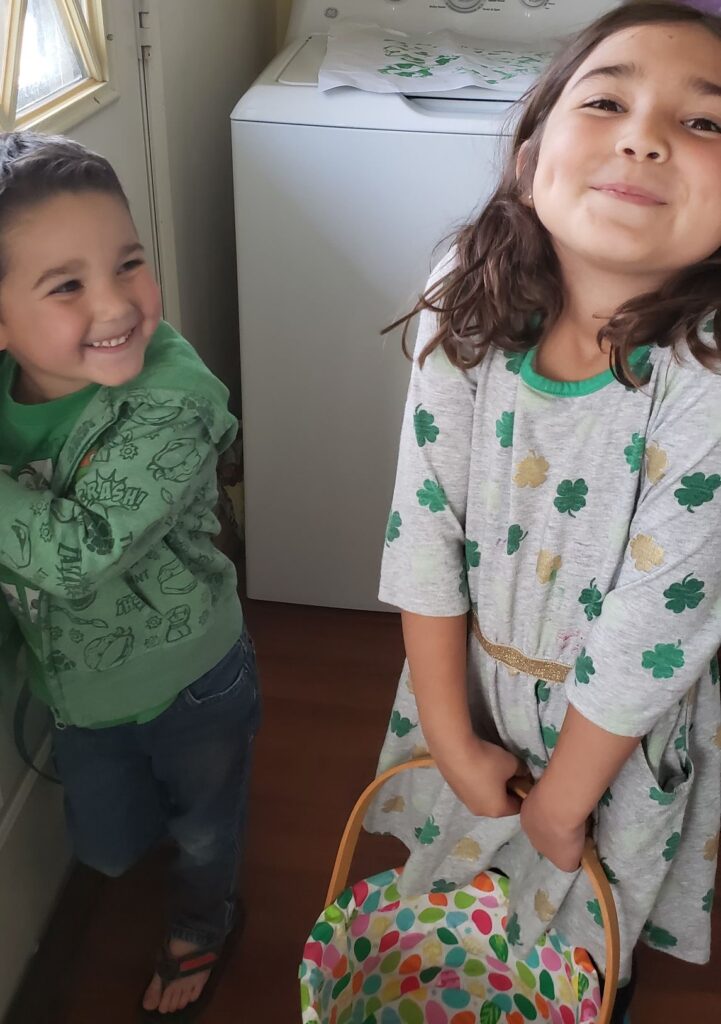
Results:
304 66
286 94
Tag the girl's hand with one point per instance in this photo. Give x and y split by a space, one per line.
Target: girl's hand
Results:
560 843
478 773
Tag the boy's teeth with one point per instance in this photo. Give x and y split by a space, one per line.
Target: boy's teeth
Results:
110 343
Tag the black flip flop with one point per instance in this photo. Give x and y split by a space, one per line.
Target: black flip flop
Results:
213 958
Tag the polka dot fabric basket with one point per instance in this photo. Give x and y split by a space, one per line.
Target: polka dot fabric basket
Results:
374 957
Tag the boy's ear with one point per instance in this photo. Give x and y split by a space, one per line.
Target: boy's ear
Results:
3 333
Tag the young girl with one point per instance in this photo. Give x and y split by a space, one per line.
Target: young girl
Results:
110 432
554 541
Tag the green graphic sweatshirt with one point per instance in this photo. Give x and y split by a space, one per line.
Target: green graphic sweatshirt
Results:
107 561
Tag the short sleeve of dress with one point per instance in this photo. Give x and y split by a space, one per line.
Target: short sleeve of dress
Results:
423 569
660 625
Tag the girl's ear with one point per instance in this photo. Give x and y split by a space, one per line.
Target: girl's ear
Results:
521 160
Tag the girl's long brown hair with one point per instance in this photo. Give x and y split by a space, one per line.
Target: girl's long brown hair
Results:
506 288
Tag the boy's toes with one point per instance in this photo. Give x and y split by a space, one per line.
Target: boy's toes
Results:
153 994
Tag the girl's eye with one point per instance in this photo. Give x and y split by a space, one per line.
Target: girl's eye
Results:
131 265
604 104
67 288
704 124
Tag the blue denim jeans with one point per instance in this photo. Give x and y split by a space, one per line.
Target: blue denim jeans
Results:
183 775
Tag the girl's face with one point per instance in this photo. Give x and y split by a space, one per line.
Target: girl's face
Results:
78 303
629 169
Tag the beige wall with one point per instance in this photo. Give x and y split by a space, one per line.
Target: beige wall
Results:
226 43
283 9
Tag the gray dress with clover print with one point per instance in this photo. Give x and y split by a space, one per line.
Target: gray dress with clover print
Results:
582 525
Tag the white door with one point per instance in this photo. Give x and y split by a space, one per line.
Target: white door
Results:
34 850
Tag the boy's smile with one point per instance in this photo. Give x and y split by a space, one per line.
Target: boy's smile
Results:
78 302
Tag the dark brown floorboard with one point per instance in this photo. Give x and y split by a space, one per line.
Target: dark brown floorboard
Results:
328 680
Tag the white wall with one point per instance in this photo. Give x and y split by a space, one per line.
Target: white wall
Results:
208 54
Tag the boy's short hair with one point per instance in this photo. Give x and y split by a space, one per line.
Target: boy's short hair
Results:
36 167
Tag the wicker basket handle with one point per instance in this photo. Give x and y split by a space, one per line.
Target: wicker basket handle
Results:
589 862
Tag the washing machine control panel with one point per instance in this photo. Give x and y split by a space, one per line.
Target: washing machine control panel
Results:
463 6
507 20
469 6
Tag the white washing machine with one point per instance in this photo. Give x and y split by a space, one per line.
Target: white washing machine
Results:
342 199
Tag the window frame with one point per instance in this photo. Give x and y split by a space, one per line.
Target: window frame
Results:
68 108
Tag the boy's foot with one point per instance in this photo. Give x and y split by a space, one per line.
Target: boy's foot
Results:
177 994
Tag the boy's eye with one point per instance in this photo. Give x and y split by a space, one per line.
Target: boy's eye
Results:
66 288
704 124
131 265
604 104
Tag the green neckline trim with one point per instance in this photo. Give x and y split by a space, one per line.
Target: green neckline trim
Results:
571 388
22 412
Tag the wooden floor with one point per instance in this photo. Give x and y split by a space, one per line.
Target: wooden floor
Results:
328 679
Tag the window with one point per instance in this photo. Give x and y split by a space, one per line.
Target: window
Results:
54 63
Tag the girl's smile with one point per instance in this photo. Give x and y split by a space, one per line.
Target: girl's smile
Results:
629 164
629 194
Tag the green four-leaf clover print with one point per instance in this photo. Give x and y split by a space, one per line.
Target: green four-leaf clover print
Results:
428 833
707 902
592 600
516 536
543 692
664 659
401 726
442 886
514 361
513 930
714 669
571 496
609 872
472 555
393 529
531 758
697 490
672 844
504 429
635 451
661 796
594 909
688 593
607 797
550 736
682 739
659 936
584 667
424 426
432 496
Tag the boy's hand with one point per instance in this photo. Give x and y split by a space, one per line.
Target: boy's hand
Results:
561 843
478 773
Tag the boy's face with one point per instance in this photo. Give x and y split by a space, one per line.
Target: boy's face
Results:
78 303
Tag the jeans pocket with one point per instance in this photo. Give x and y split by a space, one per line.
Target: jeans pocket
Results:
225 679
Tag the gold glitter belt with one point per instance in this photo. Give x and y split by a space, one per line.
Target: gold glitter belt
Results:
548 671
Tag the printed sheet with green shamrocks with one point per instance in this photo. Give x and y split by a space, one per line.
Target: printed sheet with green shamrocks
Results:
376 59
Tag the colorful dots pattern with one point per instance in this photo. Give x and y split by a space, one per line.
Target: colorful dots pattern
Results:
374 957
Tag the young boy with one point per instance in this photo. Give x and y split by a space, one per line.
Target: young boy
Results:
110 432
